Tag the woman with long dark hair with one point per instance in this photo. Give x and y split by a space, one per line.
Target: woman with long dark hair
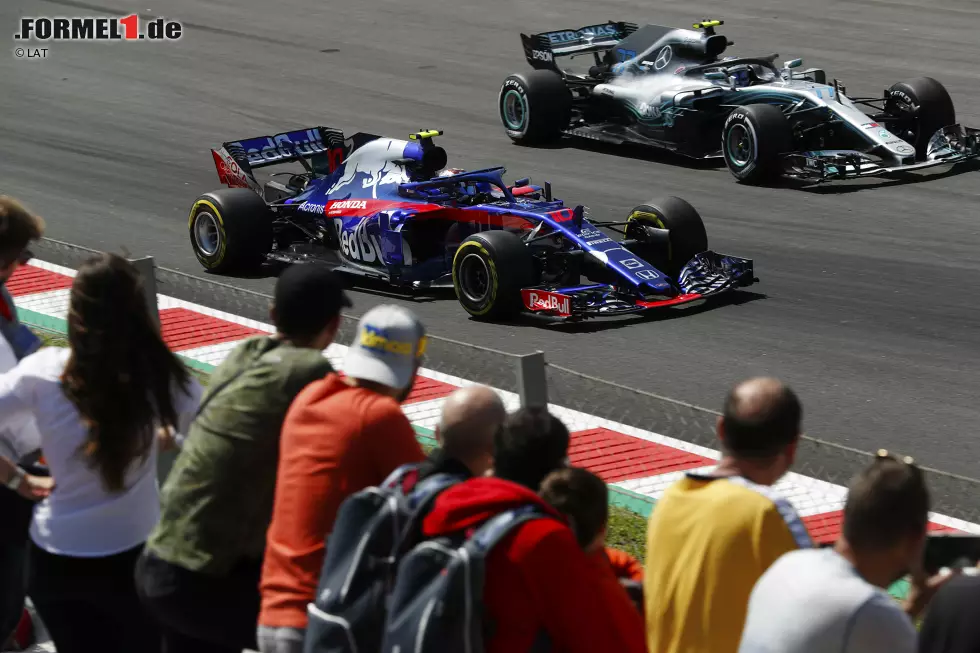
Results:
99 405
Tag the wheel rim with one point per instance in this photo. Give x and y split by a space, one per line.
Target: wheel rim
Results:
740 145
908 129
207 236
474 278
514 109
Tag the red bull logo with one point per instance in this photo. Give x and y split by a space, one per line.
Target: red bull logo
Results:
550 302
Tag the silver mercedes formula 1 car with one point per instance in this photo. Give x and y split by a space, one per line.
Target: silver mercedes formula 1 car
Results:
670 88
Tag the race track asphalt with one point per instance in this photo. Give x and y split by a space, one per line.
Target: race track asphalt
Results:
868 301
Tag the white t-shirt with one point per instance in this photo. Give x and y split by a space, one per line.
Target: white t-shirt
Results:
813 601
81 518
18 431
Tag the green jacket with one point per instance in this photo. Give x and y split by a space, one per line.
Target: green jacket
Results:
217 500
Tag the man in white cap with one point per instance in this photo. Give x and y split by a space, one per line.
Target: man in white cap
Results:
340 435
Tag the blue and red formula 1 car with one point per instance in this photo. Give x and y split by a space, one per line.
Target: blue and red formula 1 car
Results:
380 207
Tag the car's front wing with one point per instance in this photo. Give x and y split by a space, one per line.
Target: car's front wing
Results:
706 275
950 145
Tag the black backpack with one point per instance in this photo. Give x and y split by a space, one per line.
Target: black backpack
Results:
437 603
373 529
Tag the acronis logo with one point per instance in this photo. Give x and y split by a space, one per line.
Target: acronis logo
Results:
569 36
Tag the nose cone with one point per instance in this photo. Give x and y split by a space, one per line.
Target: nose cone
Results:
660 286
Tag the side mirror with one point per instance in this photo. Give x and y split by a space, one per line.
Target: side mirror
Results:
793 63
717 75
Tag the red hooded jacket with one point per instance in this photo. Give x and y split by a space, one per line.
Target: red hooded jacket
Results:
538 578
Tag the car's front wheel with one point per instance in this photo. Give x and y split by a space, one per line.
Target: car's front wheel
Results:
753 139
230 230
923 107
489 270
685 238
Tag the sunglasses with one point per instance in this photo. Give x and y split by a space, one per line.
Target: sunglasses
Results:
883 454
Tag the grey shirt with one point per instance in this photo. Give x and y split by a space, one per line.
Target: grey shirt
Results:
813 601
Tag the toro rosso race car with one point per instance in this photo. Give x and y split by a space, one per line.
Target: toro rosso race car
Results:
669 88
380 207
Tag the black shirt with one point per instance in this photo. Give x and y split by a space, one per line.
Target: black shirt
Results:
952 624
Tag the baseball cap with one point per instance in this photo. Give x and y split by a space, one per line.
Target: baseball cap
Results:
389 341
307 297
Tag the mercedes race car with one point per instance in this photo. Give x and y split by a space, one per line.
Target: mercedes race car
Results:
670 88
388 209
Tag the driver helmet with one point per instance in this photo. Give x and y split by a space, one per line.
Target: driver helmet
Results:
742 76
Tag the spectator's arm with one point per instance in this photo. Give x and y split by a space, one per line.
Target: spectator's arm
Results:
186 402
577 607
30 487
18 428
880 626
19 435
16 390
8 359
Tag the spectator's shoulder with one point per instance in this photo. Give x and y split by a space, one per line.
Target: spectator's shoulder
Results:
46 363
544 536
307 365
772 508
880 625
380 408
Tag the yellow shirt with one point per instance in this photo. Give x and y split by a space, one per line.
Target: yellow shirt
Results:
708 542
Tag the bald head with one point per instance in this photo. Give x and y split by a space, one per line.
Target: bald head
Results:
762 417
470 418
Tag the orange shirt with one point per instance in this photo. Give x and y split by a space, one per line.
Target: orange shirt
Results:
624 565
336 440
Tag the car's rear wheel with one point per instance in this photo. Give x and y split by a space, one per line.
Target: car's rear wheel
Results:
923 107
685 238
534 107
489 270
230 230
752 141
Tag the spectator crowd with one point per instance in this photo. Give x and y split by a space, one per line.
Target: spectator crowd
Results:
301 514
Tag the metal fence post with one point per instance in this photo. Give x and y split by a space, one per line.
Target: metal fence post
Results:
147 269
532 381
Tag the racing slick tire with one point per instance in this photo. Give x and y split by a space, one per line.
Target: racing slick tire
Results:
534 107
752 141
489 270
924 106
230 230
686 236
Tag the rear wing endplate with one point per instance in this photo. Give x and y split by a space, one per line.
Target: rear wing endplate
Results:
540 50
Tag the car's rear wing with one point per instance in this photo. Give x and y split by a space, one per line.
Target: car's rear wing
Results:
323 147
289 146
540 50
